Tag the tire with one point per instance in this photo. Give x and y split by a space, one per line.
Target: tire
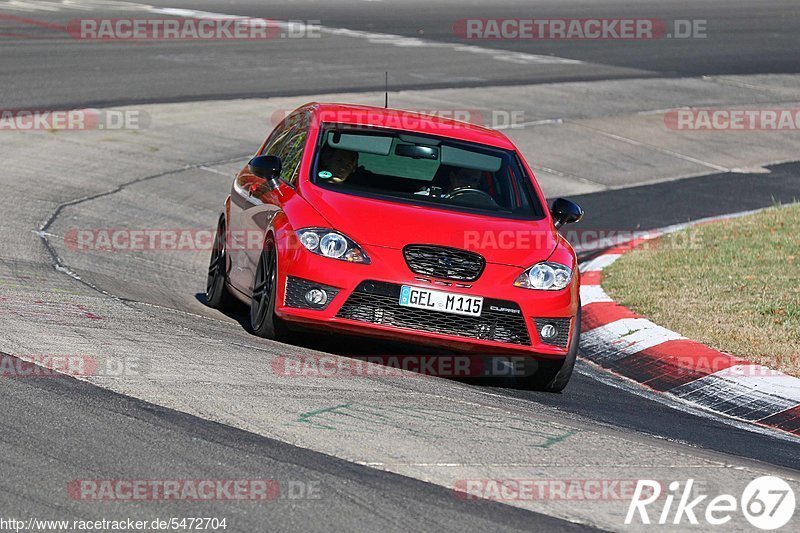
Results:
263 321
554 377
217 295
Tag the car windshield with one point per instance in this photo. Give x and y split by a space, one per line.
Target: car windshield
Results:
424 169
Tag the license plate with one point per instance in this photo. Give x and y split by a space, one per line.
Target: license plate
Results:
447 302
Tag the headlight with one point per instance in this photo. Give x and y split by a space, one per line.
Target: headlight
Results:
545 277
329 243
333 245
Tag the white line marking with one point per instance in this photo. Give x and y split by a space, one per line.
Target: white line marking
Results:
214 171
624 337
599 263
592 294
594 371
745 399
450 465
400 41
532 123
18 5
562 174
763 379
660 111
656 148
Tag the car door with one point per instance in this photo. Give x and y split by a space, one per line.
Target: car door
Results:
255 203
242 189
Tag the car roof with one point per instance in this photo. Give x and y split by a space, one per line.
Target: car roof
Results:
411 121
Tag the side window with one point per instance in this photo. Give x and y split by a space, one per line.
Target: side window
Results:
291 154
287 142
277 139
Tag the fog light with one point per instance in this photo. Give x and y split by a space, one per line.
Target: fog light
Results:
549 331
316 297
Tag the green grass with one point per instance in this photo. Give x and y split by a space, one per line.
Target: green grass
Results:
732 285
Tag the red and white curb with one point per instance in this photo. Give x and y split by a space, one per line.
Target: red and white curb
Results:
619 340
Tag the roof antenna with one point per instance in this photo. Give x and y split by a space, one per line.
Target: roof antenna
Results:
386 91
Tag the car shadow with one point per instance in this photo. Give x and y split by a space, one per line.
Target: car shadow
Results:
392 354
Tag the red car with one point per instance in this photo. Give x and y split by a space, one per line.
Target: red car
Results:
397 224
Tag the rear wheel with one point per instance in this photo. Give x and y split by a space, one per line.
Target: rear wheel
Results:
263 321
217 294
552 377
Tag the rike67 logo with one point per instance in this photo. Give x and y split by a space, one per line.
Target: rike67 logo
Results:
767 502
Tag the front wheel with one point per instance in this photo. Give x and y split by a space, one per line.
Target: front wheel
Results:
554 377
263 321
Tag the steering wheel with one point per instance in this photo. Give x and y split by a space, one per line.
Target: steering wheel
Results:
471 196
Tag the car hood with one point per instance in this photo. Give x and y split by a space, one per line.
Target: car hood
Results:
389 224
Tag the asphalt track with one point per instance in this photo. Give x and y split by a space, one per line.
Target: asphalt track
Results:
742 38
98 440
57 430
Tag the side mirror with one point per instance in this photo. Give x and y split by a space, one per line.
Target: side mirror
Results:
267 167
565 212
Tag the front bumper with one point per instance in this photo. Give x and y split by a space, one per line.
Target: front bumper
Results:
366 303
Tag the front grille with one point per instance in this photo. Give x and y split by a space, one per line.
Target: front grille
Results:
378 303
447 263
296 289
562 326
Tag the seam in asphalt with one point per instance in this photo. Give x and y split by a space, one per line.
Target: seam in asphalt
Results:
58 264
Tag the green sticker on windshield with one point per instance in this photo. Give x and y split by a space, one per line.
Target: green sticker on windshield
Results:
325 175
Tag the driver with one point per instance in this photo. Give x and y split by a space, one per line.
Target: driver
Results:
464 178
457 178
336 165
